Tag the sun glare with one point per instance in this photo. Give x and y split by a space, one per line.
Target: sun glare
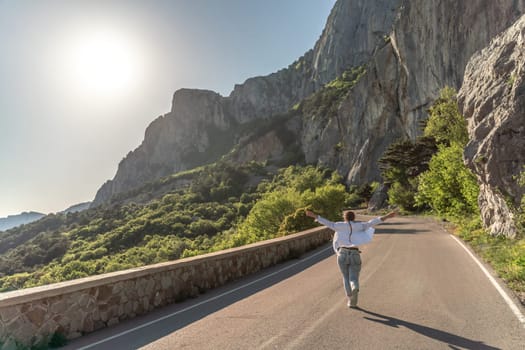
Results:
103 64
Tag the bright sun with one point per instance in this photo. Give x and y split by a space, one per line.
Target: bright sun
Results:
104 64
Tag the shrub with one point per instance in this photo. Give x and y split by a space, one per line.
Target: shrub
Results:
448 187
402 162
295 222
445 124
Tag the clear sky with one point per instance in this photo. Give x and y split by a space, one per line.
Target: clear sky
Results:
80 80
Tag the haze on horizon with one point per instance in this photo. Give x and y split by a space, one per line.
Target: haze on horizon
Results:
81 80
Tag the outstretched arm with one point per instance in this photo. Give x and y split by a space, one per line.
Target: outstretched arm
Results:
320 219
376 221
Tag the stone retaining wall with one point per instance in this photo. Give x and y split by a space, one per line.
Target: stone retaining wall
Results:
70 309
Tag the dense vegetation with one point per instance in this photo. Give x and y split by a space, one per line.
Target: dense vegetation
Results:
66 246
225 206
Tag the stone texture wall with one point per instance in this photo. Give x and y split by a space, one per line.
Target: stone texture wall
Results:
31 316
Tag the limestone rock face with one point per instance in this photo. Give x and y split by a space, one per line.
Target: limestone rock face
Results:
426 48
492 99
410 50
434 41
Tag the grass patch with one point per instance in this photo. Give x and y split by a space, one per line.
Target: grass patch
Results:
506 256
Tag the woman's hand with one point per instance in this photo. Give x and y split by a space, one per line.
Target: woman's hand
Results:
388 216
311 214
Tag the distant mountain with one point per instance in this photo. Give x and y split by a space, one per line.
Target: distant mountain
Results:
76 208
12 221
16 220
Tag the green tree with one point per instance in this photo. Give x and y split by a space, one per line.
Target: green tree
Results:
448 187
400 165
445 123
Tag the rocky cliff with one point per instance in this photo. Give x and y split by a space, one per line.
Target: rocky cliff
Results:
427 48
492 99
408 51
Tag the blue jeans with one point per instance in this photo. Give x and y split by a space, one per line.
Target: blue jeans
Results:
349 262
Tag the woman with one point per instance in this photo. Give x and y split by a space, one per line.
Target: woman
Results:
349 235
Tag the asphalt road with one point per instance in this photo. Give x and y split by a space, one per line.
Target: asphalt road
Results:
420 289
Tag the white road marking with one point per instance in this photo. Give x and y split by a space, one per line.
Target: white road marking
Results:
515 309
204 301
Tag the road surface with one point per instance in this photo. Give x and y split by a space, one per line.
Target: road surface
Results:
420 289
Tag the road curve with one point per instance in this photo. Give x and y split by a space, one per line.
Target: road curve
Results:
420 289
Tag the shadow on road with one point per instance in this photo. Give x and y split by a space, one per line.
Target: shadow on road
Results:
140 331
442 336
398 231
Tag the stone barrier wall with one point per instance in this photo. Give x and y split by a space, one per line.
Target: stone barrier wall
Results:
33 316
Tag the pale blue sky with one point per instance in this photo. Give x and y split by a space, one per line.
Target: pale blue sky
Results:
81 80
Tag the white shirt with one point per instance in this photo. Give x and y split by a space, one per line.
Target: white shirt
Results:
362 232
